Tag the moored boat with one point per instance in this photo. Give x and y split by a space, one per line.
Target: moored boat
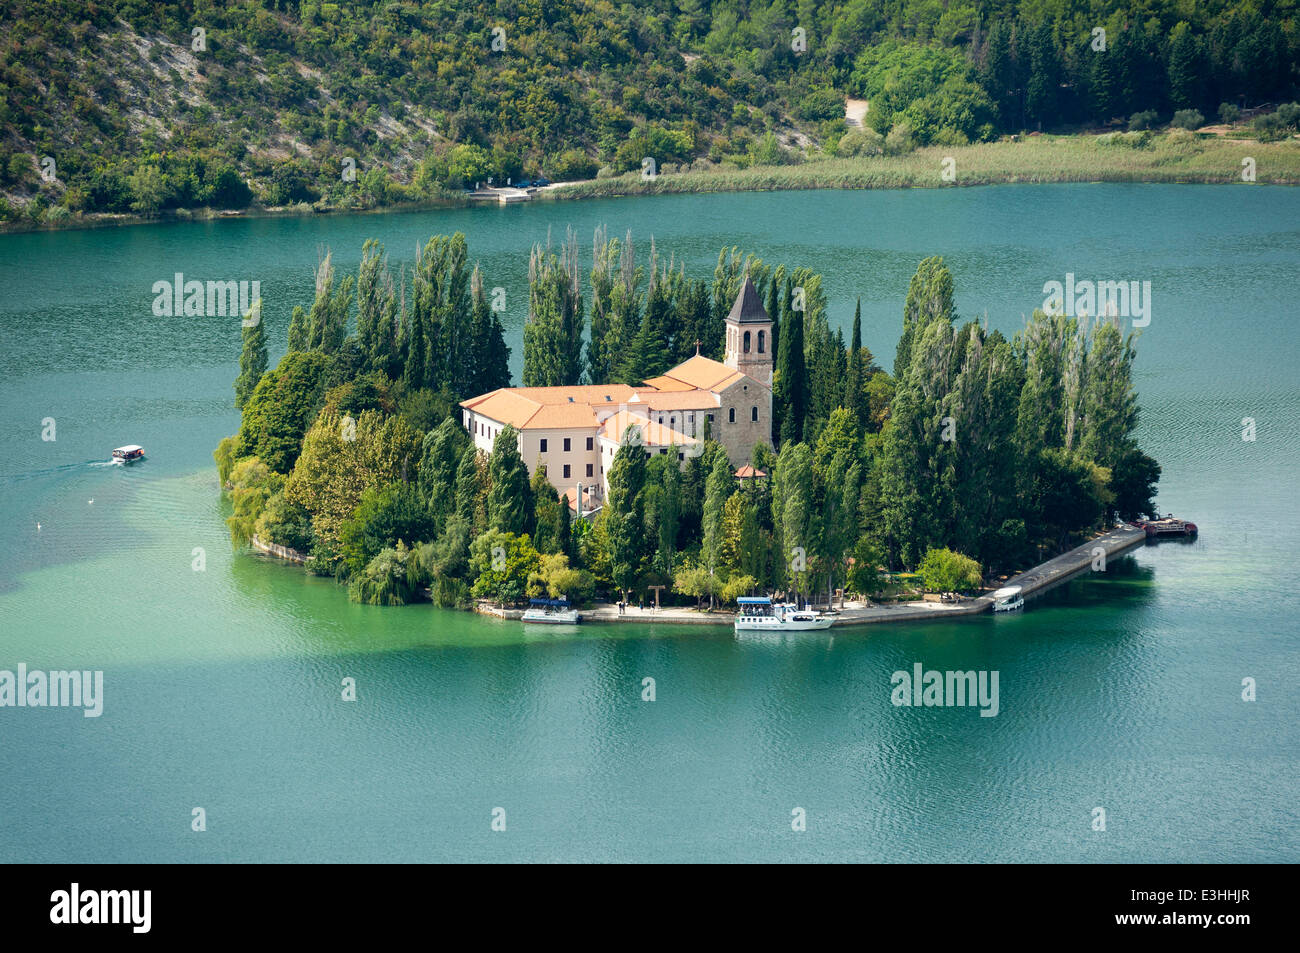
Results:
1167 525
1007 599
551 612
128 454
760 614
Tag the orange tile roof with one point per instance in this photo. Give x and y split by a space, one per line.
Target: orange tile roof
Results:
652 434
747 472
692 399
665 383
690 385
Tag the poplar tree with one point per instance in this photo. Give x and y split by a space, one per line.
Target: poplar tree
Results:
717 489
252 358
615 306
327 322
440 456
795 513
488 353
553 333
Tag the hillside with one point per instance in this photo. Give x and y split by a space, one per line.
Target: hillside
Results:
147 107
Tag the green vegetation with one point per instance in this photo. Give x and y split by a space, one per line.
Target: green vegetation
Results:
1176 157
301 103
978 454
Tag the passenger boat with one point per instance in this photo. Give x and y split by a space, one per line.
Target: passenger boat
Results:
551 612
1166 526
128 454
760 614
1007 599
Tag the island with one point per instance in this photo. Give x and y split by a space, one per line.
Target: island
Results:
675 440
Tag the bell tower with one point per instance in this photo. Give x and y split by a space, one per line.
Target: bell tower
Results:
749 336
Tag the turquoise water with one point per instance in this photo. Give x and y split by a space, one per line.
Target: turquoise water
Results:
222 687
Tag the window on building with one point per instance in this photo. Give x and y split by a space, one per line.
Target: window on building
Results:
663 452
681 457
762 341
566 471
589 442
746 342
566 444
710 418
753 413
543 445
731 415
589 467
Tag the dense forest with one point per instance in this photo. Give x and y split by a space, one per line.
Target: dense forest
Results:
146 107
978 454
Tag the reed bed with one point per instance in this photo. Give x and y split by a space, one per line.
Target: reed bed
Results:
1174 157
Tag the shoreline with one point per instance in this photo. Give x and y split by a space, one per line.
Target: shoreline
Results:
1032 160
1040 578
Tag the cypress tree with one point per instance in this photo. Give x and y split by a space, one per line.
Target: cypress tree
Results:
854 399
790 381
550 535
628 547
510 495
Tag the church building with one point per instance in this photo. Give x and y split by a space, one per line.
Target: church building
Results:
576 431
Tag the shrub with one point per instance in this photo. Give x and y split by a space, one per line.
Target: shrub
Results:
1143 120
1188 119
861 142
385 581
1228 113
572 164
821 104
901 140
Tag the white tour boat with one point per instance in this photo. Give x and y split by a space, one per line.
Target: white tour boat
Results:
551 612
128 454
760 614
1008 598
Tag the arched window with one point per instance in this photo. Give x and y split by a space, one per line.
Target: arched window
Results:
746 342
731 415
753 413
762 341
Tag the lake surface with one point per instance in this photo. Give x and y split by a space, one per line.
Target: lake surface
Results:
222 687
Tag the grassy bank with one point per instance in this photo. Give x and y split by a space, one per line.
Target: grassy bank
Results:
1173 157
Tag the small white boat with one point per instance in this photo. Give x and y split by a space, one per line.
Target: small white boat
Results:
128 454
1007 599
551 612
760 614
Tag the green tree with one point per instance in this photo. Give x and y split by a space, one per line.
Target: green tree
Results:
790 379
945 571
252 358
625 523
502 563
510 496
553 333
281 408
549 512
